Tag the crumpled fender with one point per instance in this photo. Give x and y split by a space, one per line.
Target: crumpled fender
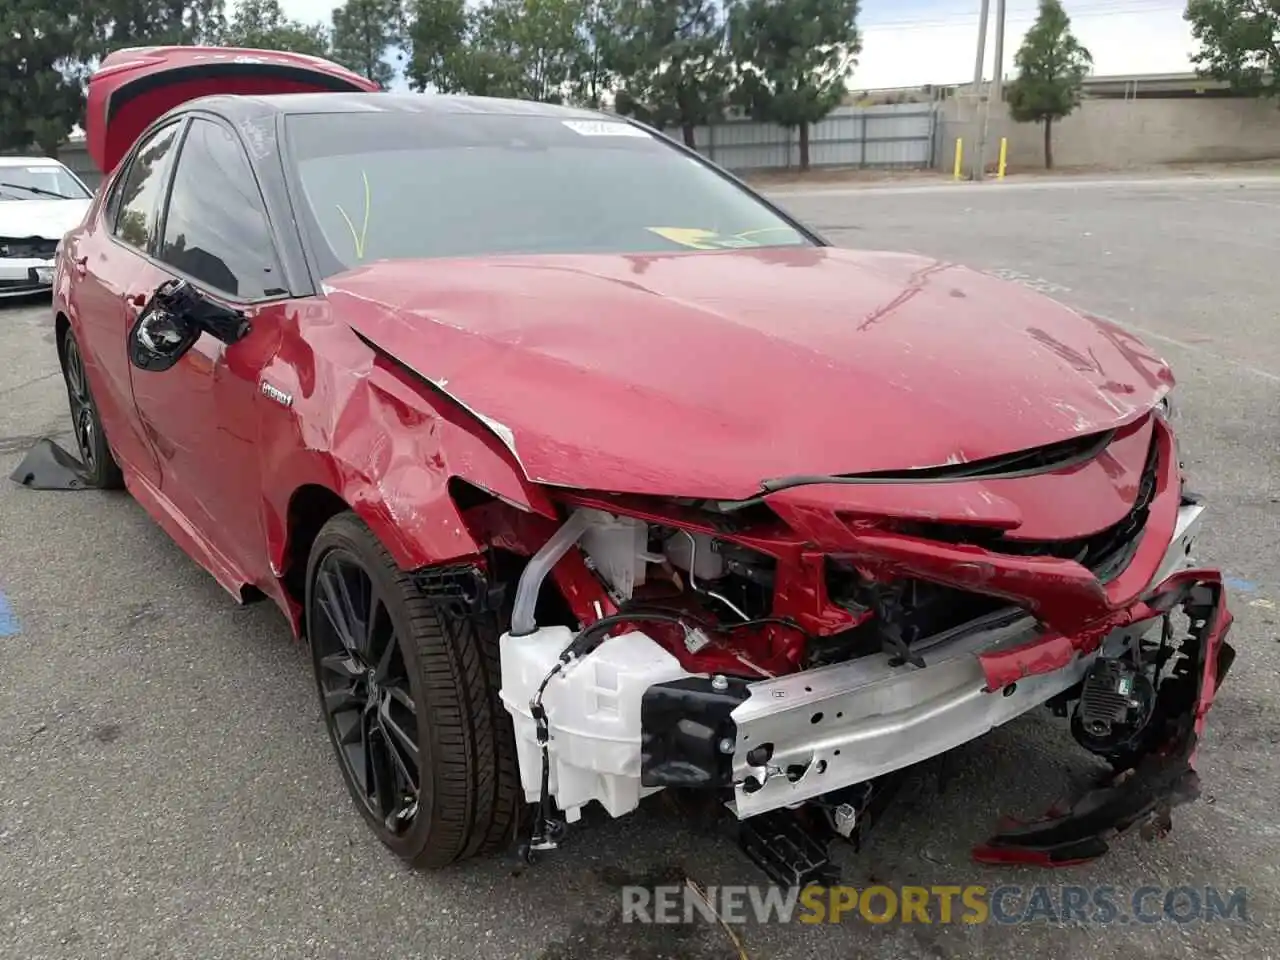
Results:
1144 791
385 444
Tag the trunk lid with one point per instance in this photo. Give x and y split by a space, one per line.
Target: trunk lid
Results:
135 86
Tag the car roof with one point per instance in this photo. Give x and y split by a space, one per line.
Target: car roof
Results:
29 162
245 106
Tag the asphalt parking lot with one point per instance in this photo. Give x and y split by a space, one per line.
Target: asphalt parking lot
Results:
166 789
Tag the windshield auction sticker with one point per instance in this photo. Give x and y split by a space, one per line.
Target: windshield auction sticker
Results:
604 128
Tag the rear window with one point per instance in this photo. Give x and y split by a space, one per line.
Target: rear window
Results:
399 185
39 182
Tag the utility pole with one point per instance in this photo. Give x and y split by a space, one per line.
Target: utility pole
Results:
978 118
997 90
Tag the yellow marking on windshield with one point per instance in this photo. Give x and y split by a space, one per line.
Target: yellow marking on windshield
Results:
698 238
358 239
687 236
779 229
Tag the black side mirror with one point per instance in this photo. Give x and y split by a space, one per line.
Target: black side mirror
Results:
173 320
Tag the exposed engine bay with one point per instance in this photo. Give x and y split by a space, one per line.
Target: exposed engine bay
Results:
793 662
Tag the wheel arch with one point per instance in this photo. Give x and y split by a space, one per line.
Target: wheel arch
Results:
409 471
312 503
61 327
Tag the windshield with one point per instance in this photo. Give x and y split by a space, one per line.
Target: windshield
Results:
39 182
393 185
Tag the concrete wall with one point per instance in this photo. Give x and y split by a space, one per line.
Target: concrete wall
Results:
77 159
1124 133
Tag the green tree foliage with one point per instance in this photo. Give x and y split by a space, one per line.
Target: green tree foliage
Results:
506 48
363 33
1239 43
592 77
670 60
51 45
539 42
133 23
794 59
439 35
1052 66
262 25
42 63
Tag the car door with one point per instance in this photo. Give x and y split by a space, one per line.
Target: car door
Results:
108 254
201 416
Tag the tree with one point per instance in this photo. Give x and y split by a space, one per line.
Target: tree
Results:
457 49
1052 66
506 48
262 25
363 32
670 61
50 45
540 40
42 64
794 59
592 79
133 23
438 34
1239 43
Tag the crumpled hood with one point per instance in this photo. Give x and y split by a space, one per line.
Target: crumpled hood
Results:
46 219
702 374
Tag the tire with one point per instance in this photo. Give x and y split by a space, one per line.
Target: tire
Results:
420 668
100 467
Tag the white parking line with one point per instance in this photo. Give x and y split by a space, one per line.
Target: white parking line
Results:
1252 203
1193 348
1050 288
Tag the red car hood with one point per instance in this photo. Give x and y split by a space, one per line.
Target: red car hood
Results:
702 374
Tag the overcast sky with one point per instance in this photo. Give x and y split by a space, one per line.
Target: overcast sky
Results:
910 42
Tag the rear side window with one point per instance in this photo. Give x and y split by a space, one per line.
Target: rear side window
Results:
216 230
138 198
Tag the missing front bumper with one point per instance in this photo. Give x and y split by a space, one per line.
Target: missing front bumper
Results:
807 734
1143 789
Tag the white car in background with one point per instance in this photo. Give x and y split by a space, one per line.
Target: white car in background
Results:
40 200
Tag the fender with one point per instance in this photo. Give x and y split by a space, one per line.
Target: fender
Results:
390 453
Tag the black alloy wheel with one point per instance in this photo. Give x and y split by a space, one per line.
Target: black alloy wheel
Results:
100 466
409 695
364 687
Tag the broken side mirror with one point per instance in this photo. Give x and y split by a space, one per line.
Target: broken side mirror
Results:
173 319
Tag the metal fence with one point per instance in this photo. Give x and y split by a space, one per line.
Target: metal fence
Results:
898 135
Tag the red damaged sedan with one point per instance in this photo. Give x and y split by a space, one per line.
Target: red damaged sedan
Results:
586 472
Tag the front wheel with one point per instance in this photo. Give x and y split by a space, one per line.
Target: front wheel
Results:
409 691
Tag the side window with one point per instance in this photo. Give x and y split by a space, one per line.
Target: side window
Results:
138 196
216 228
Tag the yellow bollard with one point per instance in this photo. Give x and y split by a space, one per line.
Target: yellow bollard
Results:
1004 156
959 156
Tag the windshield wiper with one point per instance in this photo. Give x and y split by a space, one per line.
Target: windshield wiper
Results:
40 191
